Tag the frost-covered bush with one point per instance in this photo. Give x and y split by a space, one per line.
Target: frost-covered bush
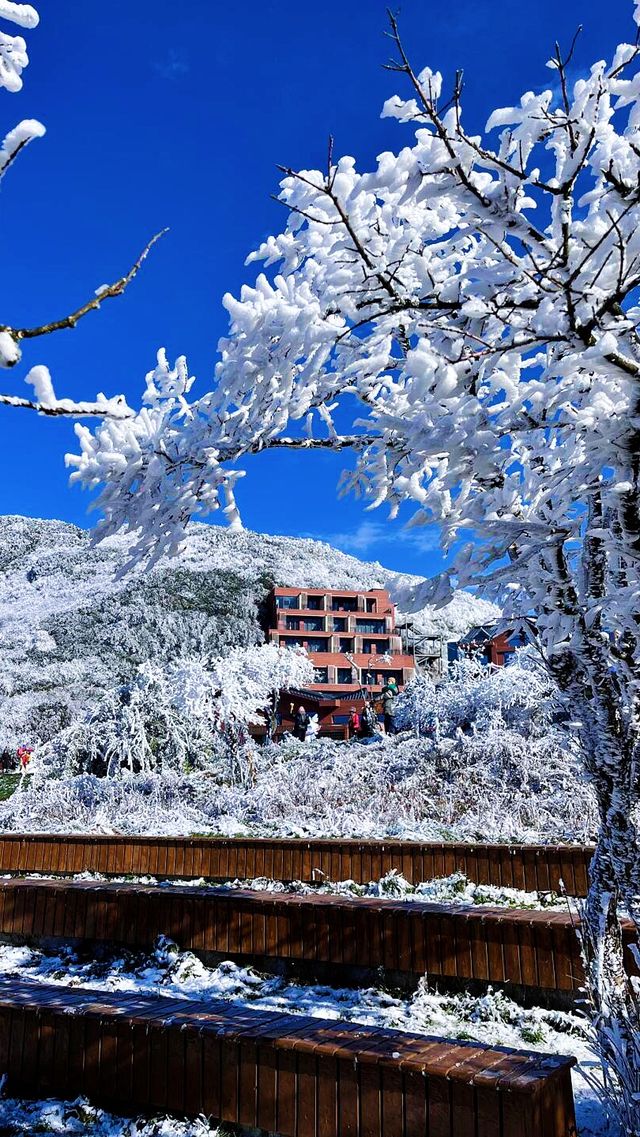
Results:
241 687
166 803
191 715
491 715
394 787
397 787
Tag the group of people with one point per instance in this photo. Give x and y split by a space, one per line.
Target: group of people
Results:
362 724
365 723
15 760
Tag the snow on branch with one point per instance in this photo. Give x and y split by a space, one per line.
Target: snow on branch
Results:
46 401
13 59
13 49
16 140
24 15
115 407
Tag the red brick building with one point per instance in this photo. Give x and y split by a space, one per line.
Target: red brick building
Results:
352 640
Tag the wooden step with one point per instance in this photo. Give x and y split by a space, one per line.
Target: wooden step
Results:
529 867
527 948
294 1075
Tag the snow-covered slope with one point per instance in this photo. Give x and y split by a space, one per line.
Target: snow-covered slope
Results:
70 627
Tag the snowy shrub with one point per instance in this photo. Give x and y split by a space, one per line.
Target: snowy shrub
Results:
394 787
193 714
484 715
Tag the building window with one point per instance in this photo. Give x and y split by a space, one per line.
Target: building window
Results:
287 601
371 627
313 624
322 675
344 604
375 647
314 603
317 645
292 623
371 604
369 679
345 675
291 641
339 623
346 644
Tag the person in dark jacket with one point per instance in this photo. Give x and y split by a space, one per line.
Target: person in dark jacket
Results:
300 723
390 694
368 720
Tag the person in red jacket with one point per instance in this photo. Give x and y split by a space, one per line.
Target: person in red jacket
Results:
24 756
354 724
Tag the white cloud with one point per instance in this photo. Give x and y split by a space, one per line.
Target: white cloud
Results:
174 65
368 534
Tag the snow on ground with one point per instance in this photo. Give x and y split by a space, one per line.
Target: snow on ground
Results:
80 1119
453 889
491 1018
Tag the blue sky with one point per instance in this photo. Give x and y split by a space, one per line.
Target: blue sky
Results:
165 114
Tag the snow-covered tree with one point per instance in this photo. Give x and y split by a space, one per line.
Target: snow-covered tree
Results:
241 688
189 715
136 729
472 304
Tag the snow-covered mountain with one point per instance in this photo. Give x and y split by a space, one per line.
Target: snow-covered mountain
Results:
70 627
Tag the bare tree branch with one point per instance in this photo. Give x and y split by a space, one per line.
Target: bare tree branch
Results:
106 293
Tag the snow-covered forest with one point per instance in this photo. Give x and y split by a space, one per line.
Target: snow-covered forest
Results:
482 757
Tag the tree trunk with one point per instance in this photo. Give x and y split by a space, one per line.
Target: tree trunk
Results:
614 884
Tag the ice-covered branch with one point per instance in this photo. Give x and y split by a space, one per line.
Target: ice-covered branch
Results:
115 407
13 59
13 49
16 140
